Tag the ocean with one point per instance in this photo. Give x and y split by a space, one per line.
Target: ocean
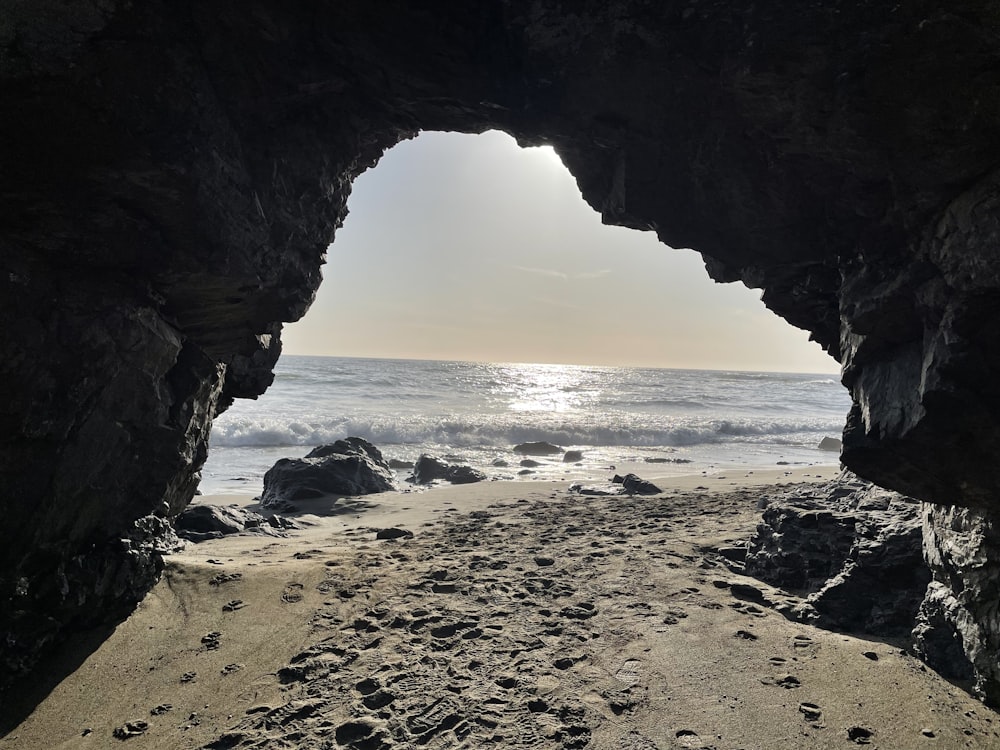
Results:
654 421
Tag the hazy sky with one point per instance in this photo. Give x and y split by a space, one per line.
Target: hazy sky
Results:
469 247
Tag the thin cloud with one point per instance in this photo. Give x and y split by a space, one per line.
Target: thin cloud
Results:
543 272
553 274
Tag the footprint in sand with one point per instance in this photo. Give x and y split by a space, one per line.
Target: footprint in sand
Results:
629 673
635 741
292 593
673 616
860 735
789 682
749 609
221 578
688 738
130 729
810 711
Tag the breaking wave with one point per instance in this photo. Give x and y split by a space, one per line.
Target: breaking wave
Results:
502 432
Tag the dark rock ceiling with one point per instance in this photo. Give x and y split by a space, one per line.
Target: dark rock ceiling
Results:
171 173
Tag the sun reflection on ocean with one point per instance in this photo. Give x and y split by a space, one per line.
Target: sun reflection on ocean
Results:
548 388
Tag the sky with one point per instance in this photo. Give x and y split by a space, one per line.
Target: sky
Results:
469 247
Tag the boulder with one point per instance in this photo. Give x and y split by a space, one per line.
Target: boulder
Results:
215 519
344 468
430 468
634 485
849 549
831 444
540 448
199 523
571 457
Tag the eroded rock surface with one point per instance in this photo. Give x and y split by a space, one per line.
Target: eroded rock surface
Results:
958 627
172 173
850 550
199 523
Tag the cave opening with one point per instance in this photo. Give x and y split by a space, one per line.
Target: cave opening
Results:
177 172
471 249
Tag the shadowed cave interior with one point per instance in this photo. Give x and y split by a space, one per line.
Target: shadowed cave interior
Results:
172 173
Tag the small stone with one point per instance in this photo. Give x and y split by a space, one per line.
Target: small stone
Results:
393 533
927 732
540 448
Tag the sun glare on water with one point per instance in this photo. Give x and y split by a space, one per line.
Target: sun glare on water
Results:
548 388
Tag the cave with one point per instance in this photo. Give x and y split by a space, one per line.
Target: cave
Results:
173 172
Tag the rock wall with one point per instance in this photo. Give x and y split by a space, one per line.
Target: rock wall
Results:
959 615
172 172
850 552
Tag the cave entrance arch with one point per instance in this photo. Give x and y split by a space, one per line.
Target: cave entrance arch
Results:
178 169
467 247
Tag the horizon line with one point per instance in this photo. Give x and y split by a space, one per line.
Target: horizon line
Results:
833 375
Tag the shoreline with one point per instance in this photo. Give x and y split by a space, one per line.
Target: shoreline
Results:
554 470
518 614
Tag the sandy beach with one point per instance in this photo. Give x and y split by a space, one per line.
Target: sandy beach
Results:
502 614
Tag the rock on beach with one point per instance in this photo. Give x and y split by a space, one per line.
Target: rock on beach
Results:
538 448
431 468
347 467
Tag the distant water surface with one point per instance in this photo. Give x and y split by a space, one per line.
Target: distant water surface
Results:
474 413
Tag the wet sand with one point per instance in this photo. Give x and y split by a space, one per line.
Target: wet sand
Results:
507 614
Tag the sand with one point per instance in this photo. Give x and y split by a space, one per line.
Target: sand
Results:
517 614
